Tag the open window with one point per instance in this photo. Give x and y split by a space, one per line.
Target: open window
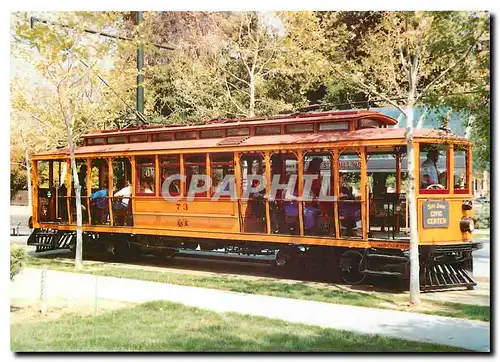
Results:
349 200
318 210
122 191
45 192
387 175
99 204
253 202
82 171
284 209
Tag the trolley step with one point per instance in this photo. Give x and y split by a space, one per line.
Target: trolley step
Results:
446 276
50 240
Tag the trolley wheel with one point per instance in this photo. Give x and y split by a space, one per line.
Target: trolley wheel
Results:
351 264
119 251
286 262
166 254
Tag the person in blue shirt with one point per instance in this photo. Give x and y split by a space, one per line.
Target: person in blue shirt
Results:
428 170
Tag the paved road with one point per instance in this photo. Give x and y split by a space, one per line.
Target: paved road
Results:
482 259
19 216
462 333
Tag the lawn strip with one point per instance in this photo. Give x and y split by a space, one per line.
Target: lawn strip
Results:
320 292
166 326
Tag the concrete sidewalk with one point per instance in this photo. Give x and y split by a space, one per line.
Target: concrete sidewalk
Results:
473 335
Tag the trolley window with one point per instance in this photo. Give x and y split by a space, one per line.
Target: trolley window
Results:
145 176
238 131
96 141
434 169
368 123
116 140
334 126
187 135
221 165
300 128
195 166
460 176
267 130
138 138
212 133
170 166
43 174
158 137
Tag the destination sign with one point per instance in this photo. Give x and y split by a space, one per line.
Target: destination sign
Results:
436 214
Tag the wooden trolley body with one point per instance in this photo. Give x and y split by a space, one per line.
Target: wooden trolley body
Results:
330 135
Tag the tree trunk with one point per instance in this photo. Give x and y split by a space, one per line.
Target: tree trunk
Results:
76 184
28 179
78 188
251 110
414 254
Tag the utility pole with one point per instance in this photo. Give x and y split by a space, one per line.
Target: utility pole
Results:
140 66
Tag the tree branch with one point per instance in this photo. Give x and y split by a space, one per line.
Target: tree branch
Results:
447 70
234 76
370 89
232 100
403 60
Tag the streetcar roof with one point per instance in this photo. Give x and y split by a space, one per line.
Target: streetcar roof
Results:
331 116
362 136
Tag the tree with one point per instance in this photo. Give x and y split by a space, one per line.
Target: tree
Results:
228 65
69 99
412 56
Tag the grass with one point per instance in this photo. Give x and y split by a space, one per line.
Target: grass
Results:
165 326
321 292
481 232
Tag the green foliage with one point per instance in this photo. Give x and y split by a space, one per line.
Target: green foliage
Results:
482 217
239 64
17 173
229 65
17 180
17 260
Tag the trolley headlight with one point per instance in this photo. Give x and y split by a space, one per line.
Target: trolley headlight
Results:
466 225
467 205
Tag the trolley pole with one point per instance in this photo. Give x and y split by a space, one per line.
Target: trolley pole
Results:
140 66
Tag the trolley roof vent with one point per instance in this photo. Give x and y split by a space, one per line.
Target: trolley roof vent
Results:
232 141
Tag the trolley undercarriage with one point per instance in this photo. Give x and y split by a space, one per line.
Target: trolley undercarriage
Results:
441 267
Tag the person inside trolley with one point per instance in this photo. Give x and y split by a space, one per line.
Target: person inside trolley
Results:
82 178
349 212
311 208
429 171
99 204
123 196
147 186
